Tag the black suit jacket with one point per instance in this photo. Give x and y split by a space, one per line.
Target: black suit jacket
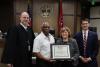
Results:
16 49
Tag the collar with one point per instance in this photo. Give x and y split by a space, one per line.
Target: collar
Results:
23 26
85 31
44 36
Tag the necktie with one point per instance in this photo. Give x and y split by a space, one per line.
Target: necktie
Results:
84 43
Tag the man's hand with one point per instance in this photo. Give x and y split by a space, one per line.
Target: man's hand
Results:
88 59
9 65
85 60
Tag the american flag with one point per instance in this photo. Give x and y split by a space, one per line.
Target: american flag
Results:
29 10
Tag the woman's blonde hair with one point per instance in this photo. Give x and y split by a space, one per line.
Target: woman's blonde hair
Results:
65 28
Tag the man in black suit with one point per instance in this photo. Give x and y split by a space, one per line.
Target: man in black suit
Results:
88 45
19 44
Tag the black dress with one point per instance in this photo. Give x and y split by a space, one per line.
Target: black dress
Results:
17 51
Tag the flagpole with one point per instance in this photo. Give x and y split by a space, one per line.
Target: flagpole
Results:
60 17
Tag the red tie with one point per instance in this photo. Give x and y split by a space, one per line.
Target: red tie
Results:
84 43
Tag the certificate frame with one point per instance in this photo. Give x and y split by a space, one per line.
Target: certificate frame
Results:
60 52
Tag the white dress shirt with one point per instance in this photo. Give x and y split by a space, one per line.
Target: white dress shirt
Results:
42 44
86 33
23 26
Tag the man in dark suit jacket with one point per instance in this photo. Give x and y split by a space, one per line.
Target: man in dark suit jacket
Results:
19 44
88 45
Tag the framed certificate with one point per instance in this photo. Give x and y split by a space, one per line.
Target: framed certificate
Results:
60 52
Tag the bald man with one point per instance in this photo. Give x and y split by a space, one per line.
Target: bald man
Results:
19 44
41 48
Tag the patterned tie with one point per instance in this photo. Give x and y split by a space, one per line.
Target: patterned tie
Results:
84 43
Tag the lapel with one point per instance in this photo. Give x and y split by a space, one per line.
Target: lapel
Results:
88 38
22 28
81 37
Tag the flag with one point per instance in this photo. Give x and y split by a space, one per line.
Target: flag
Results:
29 10
60 17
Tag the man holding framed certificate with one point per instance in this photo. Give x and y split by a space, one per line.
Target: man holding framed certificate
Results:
65 51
